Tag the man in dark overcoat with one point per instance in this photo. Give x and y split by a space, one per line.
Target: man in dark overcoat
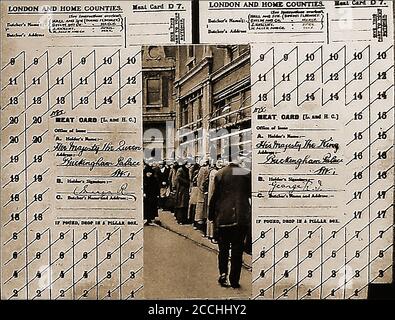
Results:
230 210
182 192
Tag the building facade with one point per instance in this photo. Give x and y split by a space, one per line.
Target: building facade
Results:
204 92
158 72
213 100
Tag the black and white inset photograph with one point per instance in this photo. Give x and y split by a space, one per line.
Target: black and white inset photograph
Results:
197 171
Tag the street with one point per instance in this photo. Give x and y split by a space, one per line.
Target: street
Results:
175 267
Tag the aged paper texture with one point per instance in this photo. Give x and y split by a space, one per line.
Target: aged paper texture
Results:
71 144
323 134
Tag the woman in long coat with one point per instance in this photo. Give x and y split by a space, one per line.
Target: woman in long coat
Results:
202 190
210 225
172 187
193 189
182 193
151 194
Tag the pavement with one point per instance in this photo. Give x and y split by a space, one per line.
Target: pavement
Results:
176 267
168 222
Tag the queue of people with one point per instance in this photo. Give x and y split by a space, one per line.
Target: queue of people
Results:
183 187
214 197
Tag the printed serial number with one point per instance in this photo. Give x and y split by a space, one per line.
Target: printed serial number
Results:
219 310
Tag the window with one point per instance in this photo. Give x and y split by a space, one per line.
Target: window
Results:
231 53
191 58
197 109
185 115
153 92
219 106
191 51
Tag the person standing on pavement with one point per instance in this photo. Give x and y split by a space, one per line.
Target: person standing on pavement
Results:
193 190
163 179
213 171
230 210
172 187
201 199
151 194
172 175
182 192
